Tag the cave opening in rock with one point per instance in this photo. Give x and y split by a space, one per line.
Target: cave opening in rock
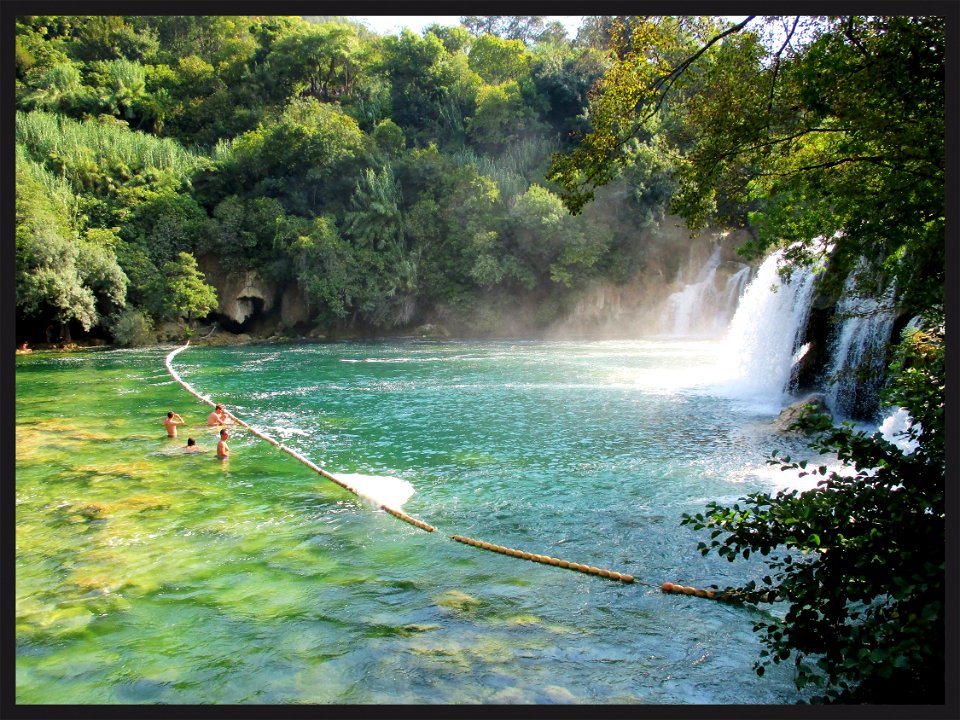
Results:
251 309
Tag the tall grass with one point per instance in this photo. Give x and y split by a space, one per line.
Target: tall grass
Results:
522 163
54 187
43 133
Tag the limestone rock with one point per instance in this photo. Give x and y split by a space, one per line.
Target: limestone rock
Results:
241 295
794 412
293 307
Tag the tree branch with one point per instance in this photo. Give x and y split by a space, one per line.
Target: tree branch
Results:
677 71
658 85
776 64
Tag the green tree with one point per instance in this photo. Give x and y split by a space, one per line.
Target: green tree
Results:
180 290
649 61
545 237
300 159
429 89
324 264
110 37
42 42
59 274
387 265
132 328
454 39
58 88
389 137
120 86
497 60
165 223
317 61
526 28
501 118
564 79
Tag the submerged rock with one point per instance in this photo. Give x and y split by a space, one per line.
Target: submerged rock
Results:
792 416
456 600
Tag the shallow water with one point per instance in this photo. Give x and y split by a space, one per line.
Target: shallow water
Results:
148 575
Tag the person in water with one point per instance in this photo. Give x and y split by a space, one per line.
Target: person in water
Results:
218 416
170 423
192 446
223 452
23 349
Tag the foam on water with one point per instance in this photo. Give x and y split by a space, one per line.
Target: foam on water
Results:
379 489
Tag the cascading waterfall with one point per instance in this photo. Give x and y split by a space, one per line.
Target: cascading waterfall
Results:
701 308
859 350
765 334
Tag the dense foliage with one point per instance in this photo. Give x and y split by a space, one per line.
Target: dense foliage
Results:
461 172
808 128
830 128
389 178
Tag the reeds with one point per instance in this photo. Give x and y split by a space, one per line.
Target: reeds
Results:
515 168
44 135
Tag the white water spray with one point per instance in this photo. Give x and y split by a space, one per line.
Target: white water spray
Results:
764 337
896 427
702 308
379 489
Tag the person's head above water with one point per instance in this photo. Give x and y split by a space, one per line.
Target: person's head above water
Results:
191 442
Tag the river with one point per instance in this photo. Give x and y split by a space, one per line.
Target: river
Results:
145 574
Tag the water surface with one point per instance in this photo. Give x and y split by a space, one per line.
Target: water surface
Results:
148 575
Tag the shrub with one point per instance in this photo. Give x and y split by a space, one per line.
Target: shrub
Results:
132 328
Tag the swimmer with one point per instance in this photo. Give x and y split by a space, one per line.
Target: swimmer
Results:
170 423
192 446
218 417
23 349
223 452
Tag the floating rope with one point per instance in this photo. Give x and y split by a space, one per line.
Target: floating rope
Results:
290 451
723 595
545 559
512 552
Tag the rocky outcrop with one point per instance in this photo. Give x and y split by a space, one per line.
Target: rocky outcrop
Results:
244 295
248 302
293 307
787 420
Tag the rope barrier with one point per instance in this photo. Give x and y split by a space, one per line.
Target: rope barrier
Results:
290 451
545 559
722 595
512 552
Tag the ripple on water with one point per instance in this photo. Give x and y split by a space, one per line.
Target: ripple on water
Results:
147 576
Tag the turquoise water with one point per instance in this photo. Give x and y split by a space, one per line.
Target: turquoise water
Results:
148 575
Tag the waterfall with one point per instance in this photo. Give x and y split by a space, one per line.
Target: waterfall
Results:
764 338
859 349
701 308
